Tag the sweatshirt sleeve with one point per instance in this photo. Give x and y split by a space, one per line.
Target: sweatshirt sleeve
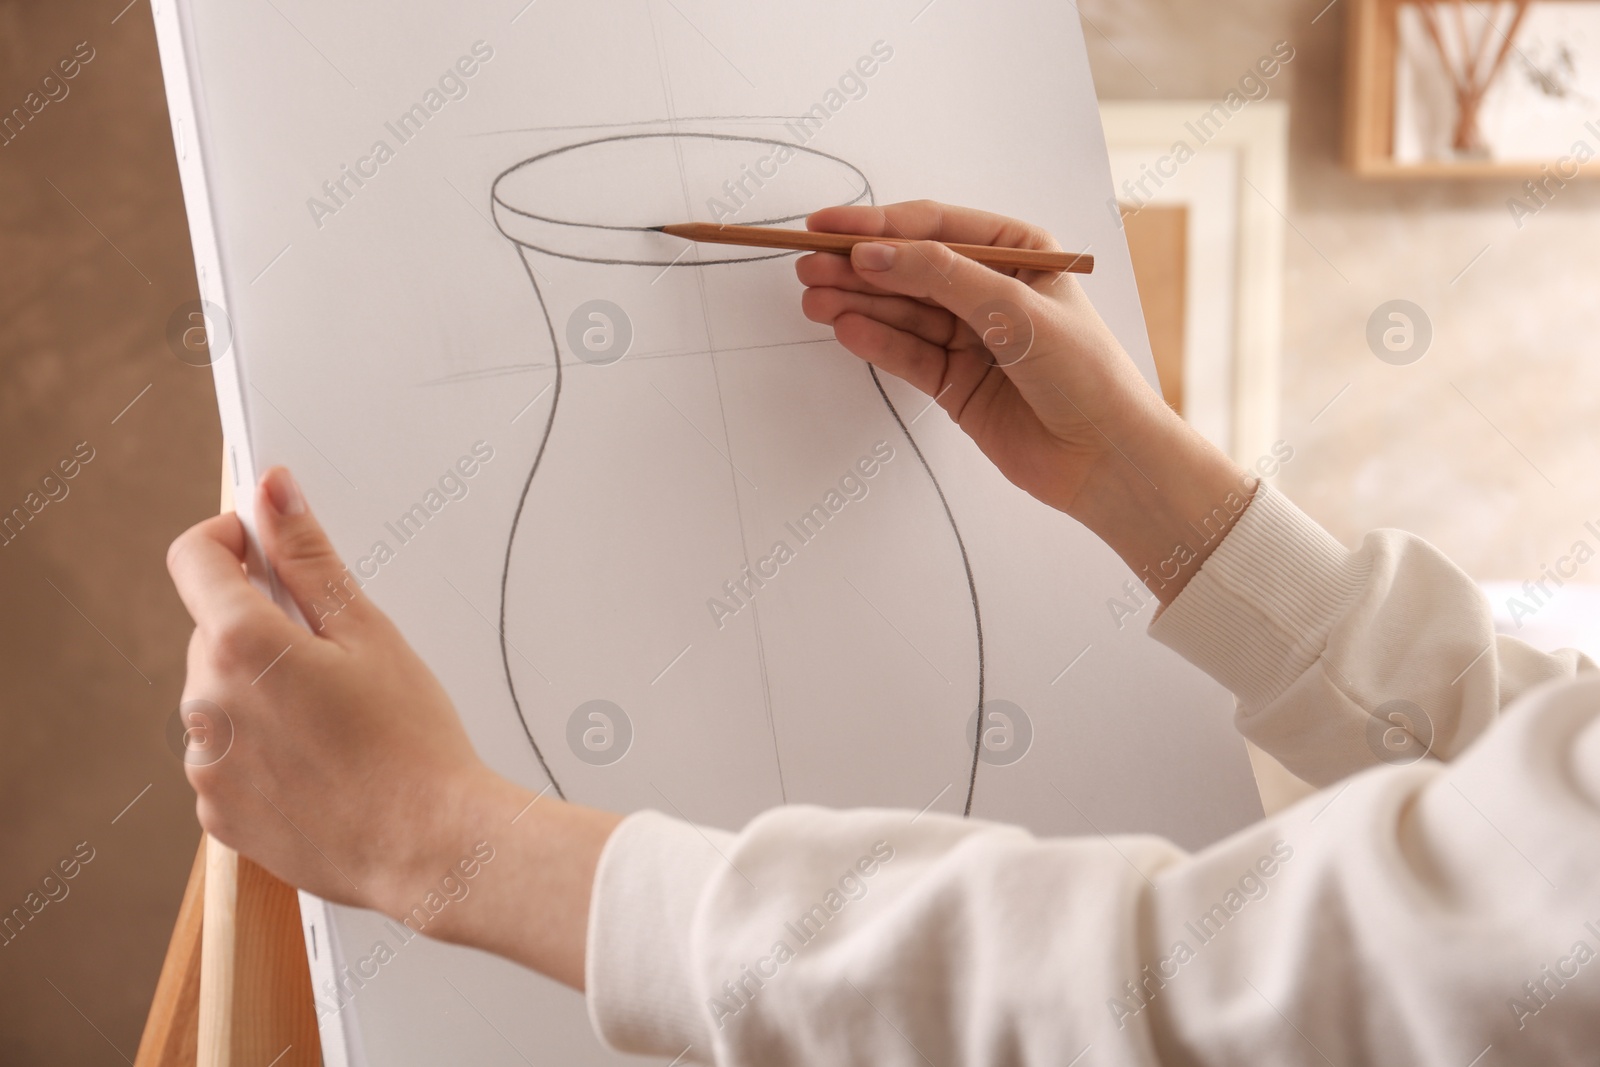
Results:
1436 903
1342 660
1415 915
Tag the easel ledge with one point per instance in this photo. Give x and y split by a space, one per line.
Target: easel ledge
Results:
235 987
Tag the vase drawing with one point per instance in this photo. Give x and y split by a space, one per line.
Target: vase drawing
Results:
689 423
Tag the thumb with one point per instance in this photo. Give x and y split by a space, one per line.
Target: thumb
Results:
929 270
304 560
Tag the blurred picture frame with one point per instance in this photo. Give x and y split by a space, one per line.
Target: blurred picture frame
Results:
1207 233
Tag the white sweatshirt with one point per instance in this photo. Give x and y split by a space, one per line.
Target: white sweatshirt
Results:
1441 910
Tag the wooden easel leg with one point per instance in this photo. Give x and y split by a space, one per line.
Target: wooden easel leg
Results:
171 1028
256 1005
235 987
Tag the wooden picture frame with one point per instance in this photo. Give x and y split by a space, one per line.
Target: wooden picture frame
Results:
1371 48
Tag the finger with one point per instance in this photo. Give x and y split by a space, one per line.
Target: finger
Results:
929 270
933 324
893 351
305 560
929 220
834 272
206 563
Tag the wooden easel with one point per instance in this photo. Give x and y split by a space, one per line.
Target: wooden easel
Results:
235 987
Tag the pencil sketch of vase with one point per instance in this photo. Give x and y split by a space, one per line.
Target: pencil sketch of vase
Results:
688 416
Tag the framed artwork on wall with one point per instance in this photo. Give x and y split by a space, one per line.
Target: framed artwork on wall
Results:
1449 89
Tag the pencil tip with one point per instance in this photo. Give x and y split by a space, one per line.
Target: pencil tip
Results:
657 229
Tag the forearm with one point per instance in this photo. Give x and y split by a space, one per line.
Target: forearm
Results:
530 901
1162 498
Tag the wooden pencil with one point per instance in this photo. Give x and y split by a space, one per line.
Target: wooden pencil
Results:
812 241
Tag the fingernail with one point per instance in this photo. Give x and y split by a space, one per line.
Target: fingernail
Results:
869 255
283 492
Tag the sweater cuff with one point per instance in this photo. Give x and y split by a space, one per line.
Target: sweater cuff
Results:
641 989
1258 612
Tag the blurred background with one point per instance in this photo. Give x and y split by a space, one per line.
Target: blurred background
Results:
96 257
1480 440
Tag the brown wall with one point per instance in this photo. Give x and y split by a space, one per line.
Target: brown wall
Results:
92 637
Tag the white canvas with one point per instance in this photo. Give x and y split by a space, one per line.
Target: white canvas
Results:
439 316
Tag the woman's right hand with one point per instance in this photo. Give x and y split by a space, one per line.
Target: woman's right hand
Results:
1020 360
1026 367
